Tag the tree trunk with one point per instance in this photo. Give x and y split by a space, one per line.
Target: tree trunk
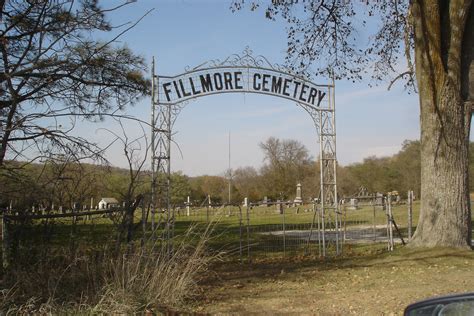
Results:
129 217
445 215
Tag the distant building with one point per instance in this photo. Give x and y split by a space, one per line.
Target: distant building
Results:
108 203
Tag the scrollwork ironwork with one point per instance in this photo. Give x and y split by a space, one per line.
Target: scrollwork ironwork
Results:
245 59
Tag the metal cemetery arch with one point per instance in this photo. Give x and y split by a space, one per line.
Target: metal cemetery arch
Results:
248 74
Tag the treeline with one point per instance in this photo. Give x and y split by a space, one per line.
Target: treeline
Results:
287 162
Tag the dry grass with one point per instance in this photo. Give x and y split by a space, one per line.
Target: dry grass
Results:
136 280
148 281
368 280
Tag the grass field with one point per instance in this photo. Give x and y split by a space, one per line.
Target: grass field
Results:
234 229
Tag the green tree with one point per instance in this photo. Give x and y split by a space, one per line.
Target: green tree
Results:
180 188
20 186
52 67
408 164
214 186
287 163
400 172
51 184
310 181
375 174
347 182
248 183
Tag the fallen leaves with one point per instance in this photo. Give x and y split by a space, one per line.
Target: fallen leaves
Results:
380 286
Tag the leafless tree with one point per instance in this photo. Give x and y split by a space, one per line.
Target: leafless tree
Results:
135 150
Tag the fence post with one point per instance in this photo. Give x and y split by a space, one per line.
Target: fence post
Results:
315 209
323 226
143 223
410 213
390 223
337 229
374 202
284 232
248 232
208 207
188 203
5 243
240 233
344 219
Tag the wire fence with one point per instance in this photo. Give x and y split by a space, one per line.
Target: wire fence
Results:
263 229
247 232
370 221
284 228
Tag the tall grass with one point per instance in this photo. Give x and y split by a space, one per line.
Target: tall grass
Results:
135 280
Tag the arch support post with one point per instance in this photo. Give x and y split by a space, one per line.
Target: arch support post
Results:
161 126
326 124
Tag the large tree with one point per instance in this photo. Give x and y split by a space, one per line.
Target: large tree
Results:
248 183
54 71
287 163
327 37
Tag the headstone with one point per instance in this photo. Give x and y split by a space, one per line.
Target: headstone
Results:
246 202
378 198
188 211
265 201
279 207
298 199
354 204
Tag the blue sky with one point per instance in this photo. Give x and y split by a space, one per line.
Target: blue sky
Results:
180 33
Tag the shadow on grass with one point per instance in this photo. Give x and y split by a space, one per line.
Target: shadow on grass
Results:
374 257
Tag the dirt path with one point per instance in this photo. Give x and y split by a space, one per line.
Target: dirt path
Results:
371 283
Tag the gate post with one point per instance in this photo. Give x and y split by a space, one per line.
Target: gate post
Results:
5 242
410 213
161 152
328 166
